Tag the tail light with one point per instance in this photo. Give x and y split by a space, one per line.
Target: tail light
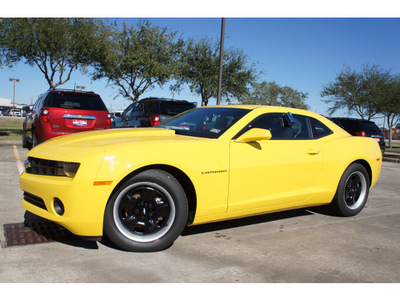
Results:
44 115
154 120
361 133
108 122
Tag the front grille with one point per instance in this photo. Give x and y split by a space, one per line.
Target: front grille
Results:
32 199
44 167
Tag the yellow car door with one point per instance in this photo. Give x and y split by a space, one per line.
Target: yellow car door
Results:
268 173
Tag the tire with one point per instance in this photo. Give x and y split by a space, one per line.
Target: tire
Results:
34 139
352 192
147 213
25 143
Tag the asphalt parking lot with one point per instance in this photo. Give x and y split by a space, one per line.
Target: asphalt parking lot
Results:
306 245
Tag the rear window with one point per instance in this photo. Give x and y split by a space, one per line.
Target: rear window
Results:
75 101
351 126
370 127
173 108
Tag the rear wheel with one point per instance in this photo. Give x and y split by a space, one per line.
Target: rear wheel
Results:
352 192
147 213
25 143
34 139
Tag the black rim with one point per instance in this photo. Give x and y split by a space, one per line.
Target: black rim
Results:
355 190
144 213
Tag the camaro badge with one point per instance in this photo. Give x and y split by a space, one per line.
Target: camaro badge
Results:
213 172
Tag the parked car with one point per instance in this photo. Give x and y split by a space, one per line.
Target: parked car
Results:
14 112
2 112
150 112
362 128
144 185
26 110
61 112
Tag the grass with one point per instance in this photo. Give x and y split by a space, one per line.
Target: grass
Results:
395 146
10 128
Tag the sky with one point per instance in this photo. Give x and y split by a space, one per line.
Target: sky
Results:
302 50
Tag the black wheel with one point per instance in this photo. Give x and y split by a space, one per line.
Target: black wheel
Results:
34 139
147 213
25 143
352 192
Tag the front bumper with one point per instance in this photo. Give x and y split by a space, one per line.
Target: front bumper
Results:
83 202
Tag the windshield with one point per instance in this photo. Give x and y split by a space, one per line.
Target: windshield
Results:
205 122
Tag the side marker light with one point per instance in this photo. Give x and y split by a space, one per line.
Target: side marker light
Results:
97 183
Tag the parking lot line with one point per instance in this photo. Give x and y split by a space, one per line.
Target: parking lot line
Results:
20 166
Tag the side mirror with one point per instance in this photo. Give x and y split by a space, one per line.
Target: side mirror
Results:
254 135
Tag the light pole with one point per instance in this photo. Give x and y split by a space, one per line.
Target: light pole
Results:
15 80
221 60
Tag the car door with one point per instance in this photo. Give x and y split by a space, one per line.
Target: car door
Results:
281 170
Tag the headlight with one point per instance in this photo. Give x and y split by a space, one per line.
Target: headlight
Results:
70 168
50 167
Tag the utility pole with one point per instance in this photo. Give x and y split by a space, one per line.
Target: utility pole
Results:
15 80
221 61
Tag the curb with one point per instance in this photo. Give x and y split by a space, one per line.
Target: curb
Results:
391 159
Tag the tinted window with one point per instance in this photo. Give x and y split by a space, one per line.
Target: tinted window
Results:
150 107
205 122
137 110
351 126
319 130
127 111
370 126
173 108
282 127
75 101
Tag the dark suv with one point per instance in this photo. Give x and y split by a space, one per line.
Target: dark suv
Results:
362 128
150 112
60 112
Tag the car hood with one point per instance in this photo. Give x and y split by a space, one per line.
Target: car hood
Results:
86 143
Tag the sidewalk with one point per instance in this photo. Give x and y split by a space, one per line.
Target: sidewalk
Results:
391 156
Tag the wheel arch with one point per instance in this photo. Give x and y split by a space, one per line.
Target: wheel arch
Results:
182 178
367 167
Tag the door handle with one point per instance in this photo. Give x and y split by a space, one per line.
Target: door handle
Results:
313 151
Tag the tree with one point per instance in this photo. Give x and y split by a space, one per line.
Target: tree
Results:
270 93
199 68
390 105
137 58
357 91
56 46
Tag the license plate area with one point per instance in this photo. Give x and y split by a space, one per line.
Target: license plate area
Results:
79 122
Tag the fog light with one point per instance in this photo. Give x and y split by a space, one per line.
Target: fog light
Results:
58 206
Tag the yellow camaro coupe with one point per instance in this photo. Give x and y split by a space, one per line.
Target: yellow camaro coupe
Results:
142 186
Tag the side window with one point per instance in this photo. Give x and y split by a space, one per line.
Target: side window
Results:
319 130
137 111
37 103
149 107
127 111
283 128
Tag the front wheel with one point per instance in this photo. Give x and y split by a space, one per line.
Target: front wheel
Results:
352 192
147 213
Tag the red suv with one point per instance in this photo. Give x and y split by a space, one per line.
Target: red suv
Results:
60 112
